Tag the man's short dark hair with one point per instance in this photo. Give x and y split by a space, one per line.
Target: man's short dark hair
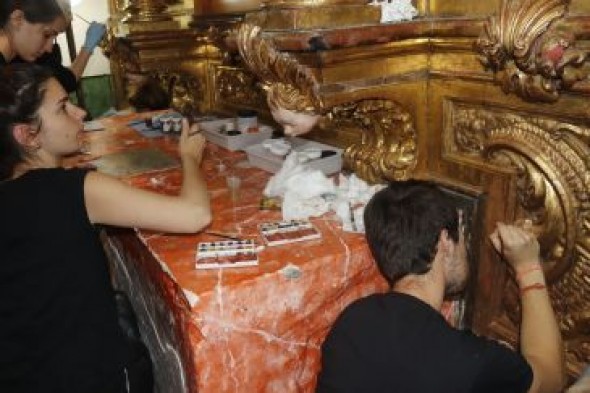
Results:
150 96
403 222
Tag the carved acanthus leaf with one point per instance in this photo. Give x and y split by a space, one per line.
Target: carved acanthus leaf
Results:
387 150
527 54
290 85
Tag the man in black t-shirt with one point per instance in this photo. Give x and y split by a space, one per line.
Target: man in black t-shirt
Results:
399 342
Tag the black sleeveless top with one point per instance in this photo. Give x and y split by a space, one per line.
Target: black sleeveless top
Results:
58 324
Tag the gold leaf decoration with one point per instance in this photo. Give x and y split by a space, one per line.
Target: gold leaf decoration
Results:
550 158
289 84
185 90
528 56
235 86
388 146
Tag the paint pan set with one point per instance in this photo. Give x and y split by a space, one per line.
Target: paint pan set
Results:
243 253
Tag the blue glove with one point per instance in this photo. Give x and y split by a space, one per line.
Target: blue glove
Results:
94 34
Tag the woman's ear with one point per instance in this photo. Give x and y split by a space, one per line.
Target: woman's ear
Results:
25 136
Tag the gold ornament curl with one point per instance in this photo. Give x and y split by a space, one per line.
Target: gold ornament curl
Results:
527 55
289 84
553 182
388 146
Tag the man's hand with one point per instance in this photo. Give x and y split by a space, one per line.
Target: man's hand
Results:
519 247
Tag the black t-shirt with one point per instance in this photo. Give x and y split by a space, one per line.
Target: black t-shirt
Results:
58 329
396 343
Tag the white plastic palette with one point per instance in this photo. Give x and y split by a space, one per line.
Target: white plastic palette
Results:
211 131
284 232
223 254
261 157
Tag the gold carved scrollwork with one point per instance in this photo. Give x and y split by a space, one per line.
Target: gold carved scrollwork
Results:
387 150
289 84
185 90
235 86
528 55
550 158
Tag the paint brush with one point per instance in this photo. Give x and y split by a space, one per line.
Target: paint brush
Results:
81 18
223 235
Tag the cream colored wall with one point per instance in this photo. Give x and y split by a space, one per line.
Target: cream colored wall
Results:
90 10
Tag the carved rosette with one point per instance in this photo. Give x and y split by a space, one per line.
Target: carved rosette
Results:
553 178
528 55
235 86
388 146
289 84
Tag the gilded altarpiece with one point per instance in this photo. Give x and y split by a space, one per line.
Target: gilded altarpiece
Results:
494 107
548 158
489 98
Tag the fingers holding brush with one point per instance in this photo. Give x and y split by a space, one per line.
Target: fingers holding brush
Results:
192 142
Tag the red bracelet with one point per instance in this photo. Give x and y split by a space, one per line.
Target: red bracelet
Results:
521 274
536 285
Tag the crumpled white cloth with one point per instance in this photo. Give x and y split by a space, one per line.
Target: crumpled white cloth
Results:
301 189
353 193
395 10
303 192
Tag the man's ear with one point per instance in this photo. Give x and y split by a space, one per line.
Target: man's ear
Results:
25 136
17 18
445 242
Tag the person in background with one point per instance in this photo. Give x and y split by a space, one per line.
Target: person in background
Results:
70 76
59 329
28 32
399 342
28 28
149 96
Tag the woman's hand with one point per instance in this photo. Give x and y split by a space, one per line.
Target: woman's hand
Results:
192 142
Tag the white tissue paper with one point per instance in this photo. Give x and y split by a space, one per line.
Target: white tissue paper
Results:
303 192
353 194
395 10
296 208
277 185
301 189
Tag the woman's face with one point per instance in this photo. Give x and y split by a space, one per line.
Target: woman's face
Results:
32 40
61 122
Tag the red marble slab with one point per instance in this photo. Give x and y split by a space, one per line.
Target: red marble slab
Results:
251 329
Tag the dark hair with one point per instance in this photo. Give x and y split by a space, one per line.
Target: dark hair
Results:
35 11
150 96
22 88
403 223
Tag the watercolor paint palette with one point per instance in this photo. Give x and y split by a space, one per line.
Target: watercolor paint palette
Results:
229 253
284 232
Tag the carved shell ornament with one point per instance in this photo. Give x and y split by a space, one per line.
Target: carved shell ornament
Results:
289 84
528 55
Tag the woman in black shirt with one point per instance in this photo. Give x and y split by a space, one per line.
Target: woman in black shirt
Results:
28 31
